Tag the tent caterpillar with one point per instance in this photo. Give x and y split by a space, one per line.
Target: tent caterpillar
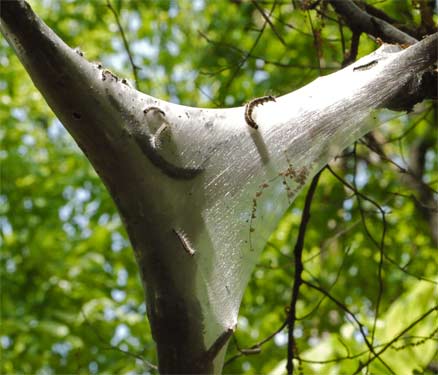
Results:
366 66
126 82
152 108
249 108
79 52
183 238
106 72
135 129
155 139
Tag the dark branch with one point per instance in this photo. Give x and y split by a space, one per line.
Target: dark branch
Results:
298 252
354 49
378 13
358 19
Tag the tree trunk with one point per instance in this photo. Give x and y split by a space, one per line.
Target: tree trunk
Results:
195 186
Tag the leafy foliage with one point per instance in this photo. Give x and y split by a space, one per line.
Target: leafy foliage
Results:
71 297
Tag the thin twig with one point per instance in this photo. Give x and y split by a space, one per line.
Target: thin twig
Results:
380 246
354 49
410 326
111 347
356 320
298 261
387 257
316 33
125 43
258 345
247 55
363 196
266 18
411 127
423 340
338 274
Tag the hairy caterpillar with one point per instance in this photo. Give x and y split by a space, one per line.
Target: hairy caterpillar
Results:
152 108
106 72
366 66
143 140
126 82
155 139
79 52
249 108
188 248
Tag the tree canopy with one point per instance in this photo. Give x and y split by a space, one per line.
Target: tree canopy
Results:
369 254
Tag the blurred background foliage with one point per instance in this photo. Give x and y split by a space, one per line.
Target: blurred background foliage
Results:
71 297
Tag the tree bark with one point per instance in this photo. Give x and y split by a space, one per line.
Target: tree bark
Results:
195 186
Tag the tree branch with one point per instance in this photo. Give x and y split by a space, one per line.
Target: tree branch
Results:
380 14
125 43
298 262
357 19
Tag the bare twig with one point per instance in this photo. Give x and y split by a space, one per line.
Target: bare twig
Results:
353 316
401 333
257 345
125 43
298 261
247 55
422 340
111 347
267 19
316 33
338 274
361 195
354 48
410 128
380 246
